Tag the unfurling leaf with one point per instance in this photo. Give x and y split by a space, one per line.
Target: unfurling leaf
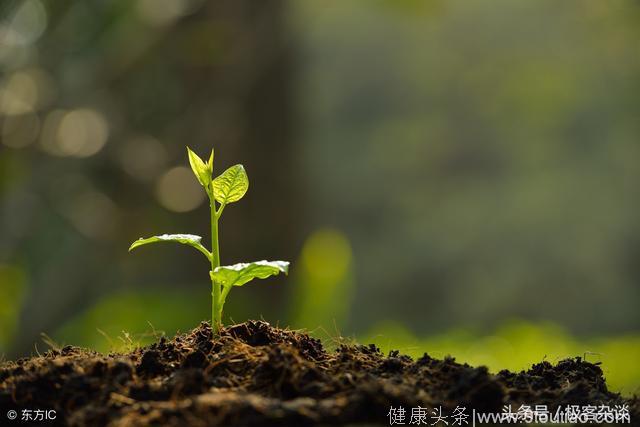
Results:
239 274
210 163
231 185
201 170
185 239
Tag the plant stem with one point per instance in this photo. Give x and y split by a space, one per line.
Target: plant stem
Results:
216 309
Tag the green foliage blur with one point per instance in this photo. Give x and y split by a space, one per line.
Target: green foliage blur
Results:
434 170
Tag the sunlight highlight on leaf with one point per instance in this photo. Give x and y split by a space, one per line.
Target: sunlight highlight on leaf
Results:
231 186
239 274
186 239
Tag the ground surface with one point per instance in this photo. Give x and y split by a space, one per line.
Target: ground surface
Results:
254 374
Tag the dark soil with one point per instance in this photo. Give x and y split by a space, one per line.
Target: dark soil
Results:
254 374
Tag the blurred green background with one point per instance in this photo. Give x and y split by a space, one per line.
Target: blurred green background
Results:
451 177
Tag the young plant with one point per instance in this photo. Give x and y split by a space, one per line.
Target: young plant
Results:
227 188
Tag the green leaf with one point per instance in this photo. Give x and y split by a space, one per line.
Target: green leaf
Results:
200 169
186 239
231 185
210 163
239 274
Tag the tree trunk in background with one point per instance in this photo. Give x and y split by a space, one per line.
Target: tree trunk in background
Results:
267 223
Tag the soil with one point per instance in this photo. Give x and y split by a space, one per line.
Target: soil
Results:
255 374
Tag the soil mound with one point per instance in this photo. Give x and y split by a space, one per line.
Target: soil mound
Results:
256 375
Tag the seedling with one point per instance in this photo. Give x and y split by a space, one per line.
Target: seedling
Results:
227 188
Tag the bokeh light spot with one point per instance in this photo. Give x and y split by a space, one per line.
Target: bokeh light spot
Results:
178 190
81 133
19 94
143 157
93 214
27 24
327 255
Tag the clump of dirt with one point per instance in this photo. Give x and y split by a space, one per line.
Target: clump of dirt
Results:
255 374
